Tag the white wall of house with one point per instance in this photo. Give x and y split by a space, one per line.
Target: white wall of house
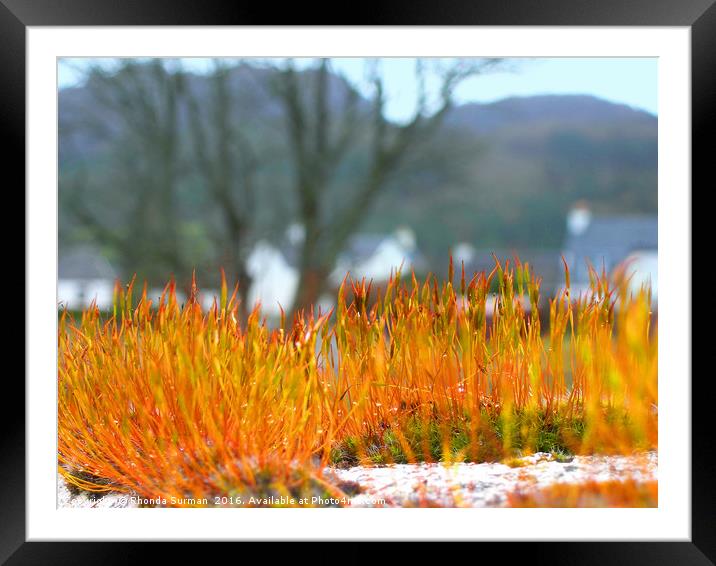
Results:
644 269
389 255
274 280
77 294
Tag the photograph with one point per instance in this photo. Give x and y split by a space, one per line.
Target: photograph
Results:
358 282
415 273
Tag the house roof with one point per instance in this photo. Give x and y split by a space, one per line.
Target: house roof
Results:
357 249
610 239
362 246
84 263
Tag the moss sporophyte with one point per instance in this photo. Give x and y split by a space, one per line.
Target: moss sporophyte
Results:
170 400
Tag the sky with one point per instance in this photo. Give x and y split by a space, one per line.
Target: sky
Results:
630 81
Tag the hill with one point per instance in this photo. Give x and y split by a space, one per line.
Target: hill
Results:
501 174
517 167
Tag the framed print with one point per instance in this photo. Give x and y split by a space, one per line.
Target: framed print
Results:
425 276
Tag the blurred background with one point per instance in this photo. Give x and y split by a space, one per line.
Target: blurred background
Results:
291 173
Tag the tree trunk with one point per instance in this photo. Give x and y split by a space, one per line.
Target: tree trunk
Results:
311 285
235 272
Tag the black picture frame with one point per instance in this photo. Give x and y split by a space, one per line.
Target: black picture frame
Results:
699 15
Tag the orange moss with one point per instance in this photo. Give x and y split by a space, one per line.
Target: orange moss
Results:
170 400
629 493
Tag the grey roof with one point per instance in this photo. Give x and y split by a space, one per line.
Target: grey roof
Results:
84 263
292 254
609 240
361 246
358 248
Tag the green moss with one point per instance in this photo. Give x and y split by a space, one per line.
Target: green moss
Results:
427 440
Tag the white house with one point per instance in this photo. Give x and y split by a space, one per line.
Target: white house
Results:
84 275
612 240
275 275
275 281
374 256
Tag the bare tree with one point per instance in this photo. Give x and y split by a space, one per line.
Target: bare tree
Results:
319 139
177 152
142 102
166 137
227 165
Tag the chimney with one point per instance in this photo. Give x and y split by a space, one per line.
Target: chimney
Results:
578 218
296 234
405 237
